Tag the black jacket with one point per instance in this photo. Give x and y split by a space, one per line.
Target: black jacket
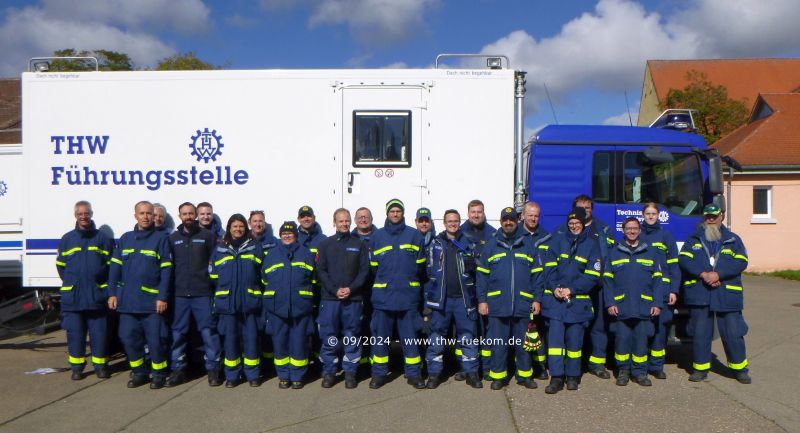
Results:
191 253
343 262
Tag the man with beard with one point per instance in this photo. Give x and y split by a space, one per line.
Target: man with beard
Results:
192 247
309 232
712 261
425 226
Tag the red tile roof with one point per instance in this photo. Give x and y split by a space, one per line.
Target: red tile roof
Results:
770 140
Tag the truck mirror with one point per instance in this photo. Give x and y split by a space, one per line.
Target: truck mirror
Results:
715 182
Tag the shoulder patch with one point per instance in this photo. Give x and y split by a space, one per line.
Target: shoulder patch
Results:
178 242
597 265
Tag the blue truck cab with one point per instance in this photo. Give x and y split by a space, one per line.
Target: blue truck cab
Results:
621 168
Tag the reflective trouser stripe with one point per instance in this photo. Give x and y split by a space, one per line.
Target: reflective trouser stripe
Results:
555 351
458 352
573 354
413 360
298 362
658 353
498 375
737 365
541 358
158 365
76 360
701 367
486 353
639 359
621 357
380 359
525 373
251 362
596 360
281 361
98 361
136 362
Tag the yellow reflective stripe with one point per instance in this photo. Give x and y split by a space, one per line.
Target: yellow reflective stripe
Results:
60 263
76 360
166 264
732 287
136 363
281 361
222 293
486 353
313 250
128 250
620 261
254 292
524 256
581 296
537 270
495 375
409 247
99 361
269 293
608 274
564 256
303 265
223 260
380 359
741 257
622 356
610 241
597 360
70 251
526 294
548 291
373 264
659 245
252 362
305 293
737 365
689 282
525 373
99 250
671 261
619 298
666 280
158 365
379 285
647 298
646 262
581 259
657 274
150 253
544 247
591 272
639 359
66 288
483 270
555 351
573 354
232 362
213 276
495 293
495 257
687 254
149 290
548 264
116 260
458 352
413 360
413 283
273 267
701 367
420 261
658 353
541 358
382 250
726 251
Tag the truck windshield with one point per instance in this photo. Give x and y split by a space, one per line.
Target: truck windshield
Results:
678 184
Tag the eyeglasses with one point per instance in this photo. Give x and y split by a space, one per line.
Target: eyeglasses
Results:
575 224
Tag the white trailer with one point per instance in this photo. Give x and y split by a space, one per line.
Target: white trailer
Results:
11 199
270 140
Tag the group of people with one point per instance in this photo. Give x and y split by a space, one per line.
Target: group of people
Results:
260 301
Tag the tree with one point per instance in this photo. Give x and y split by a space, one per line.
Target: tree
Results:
717 114
107 61
184 62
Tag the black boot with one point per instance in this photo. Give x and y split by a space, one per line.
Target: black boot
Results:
102 372
158 382
744 378
76 375
474 380
137 380
623 377
328 380
659 374
698 376
497 385
572 383
378 381
176 378
350 380
460 376
433 382
556 384
214 378
527 383
643 380
416 381
600 372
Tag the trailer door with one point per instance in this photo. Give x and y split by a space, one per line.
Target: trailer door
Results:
382 147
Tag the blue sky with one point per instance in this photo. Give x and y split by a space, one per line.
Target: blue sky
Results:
589 53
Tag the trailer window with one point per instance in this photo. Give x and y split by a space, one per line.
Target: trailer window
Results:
381 138
601 177
678 184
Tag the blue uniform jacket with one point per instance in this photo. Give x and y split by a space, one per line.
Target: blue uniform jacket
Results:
286 274
141 270
397 256
82 261
579 269
509 276
236 277
729 262
435 289
662 239
479 236
311 239
633 280
598 230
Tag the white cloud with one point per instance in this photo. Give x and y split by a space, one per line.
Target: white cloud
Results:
241 21
184 16
32 32
373 22
396 65
621 119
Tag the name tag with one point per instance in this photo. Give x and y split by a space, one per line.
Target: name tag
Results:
711 261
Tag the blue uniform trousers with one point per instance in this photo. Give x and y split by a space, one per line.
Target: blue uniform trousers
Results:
658 344
200 307
339 327
77 324
466 333
267 352
564 343
290 342
486 348
240 336
598 334
732 329
383 323
630 344
138 329
505 332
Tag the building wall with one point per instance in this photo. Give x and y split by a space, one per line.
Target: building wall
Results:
772 244
648 105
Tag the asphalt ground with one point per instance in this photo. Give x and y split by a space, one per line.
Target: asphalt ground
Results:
54 403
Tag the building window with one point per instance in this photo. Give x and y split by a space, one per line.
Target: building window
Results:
762 205
382 139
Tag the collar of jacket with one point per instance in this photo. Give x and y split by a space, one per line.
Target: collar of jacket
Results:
355 232
579 237
345 236
182 229
142 234
394 229
315 229
650 228
88 232
508 242
624 247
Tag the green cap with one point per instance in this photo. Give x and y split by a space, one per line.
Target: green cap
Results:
712 209
394 203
